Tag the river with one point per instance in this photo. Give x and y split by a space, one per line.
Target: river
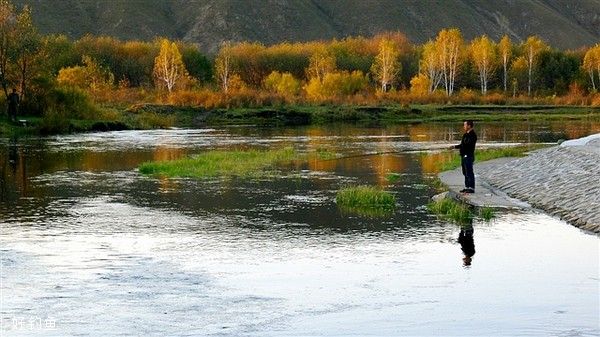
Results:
89 247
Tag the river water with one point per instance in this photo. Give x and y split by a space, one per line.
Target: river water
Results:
89 247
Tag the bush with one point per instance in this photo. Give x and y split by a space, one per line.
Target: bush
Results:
336 84
283 83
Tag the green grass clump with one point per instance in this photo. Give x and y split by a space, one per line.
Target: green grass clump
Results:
458 212
366 200
451 209
222 163
325 154
489 154
487 213
393 178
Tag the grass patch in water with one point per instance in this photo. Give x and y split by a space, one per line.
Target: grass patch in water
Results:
393 178
451 209
458 212
223 163
324 154
366 200
489 154
487 213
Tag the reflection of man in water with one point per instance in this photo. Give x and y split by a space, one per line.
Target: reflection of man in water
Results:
467 245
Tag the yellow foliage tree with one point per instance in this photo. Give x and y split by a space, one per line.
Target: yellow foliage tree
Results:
591 63
336 84
483 54
419 85
322 62
518 72
169 69
90 76
430 65
223 66
449 46
505 51
283 83
386 66
533 47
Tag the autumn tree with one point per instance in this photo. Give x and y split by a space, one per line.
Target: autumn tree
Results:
223 66
90 76
7 29
449 44
283 83
505 51
321 63
386 66
591 63
483 54
27 48
169 69
533 46
430 65
518 73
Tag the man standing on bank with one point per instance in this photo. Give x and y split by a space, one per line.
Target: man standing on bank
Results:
13 105
467 156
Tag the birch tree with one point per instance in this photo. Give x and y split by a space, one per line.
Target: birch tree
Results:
591 63
430 65
223 66
449 44
386 66
322 62
505 50
533 47
483 54
168 65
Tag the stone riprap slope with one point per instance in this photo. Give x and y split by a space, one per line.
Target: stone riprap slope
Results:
562 180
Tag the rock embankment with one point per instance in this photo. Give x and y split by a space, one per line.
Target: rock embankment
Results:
563 180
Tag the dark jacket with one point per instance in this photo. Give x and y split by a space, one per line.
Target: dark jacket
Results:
13 99
467 144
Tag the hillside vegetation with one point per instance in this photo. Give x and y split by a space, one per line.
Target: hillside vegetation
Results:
563 24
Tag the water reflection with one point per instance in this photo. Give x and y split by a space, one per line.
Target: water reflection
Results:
467 244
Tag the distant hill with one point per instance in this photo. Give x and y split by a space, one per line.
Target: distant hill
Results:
562 23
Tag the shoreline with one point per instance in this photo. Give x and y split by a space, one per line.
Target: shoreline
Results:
156 116
560 180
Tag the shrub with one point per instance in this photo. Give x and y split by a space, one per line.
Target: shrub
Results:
283 83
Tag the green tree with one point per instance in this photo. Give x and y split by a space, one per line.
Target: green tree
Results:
27 49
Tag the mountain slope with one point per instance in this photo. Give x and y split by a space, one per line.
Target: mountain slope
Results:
564 24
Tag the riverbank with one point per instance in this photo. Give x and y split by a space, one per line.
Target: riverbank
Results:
382 115
561 180
153 116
